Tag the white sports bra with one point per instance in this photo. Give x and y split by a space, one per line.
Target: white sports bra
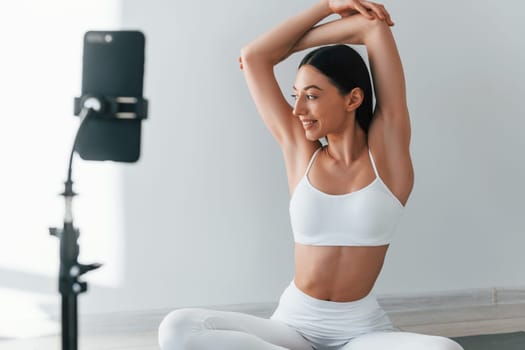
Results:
366 217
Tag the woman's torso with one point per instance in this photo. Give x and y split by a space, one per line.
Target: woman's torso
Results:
344 273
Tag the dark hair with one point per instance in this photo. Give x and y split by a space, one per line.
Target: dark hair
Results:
346 69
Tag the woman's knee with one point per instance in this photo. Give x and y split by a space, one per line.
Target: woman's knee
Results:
176 327
402 340
441 343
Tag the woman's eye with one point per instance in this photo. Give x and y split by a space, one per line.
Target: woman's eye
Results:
308 97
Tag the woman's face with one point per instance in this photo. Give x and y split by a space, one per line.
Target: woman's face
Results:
317 100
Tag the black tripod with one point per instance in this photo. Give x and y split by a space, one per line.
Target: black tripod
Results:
70 270
90 109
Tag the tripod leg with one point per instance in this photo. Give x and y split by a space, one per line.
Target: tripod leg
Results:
69 322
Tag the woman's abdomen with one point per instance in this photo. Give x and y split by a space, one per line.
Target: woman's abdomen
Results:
337 273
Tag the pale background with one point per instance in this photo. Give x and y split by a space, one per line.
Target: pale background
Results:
202 218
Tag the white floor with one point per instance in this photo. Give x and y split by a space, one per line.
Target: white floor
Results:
451 322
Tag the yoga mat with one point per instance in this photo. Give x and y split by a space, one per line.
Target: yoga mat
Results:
501 341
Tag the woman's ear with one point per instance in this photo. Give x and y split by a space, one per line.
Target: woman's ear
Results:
354 99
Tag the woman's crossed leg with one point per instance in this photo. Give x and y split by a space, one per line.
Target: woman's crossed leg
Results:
202 329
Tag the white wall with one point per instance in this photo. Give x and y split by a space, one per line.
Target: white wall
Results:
206 209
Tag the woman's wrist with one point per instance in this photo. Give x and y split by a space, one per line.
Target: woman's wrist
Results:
326 4
325 7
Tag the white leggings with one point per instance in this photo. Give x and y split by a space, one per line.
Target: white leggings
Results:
300 322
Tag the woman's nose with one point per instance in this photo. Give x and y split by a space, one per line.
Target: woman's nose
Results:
299 107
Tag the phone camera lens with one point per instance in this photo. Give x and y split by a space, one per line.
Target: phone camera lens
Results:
108 38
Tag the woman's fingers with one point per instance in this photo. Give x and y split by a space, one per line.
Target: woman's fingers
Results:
386 15
348 13
359 7
368 9
376 9
388 18
240 63
380 12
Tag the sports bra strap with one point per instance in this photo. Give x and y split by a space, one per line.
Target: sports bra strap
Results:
312 160
373 163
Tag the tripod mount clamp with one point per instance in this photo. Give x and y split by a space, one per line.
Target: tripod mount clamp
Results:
70 269
122 107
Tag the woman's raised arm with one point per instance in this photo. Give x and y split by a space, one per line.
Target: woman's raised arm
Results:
385 63
275 43
259 57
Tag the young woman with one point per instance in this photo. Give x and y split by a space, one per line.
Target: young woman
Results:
346 197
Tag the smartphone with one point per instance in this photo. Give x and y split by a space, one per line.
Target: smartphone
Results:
112 66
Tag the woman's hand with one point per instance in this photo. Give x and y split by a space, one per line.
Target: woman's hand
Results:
368 9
